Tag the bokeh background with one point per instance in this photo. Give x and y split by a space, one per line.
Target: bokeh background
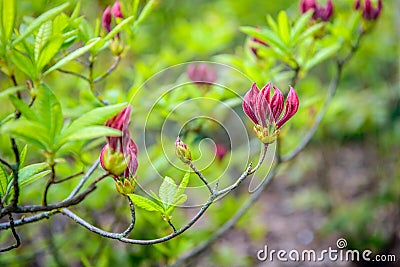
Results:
346 184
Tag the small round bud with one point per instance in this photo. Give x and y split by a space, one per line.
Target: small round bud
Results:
182 151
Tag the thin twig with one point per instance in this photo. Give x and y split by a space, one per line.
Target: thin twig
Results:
15 234
74 74
109 71
49 183
30 219
83 180
228 225
133 216
201 176
68 178
8 165
62 204
332 89
15 170
119 237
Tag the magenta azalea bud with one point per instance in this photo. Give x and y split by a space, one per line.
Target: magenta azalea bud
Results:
220 151
266 112
116 10
119 156
325 13
106 19
182 151
368 11
320 12
306 5
201 74
119 122
357 5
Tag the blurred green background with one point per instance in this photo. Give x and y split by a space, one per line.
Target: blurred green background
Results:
345 184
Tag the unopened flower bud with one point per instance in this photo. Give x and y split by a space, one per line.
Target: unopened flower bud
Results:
182 151
201 74
106 19
112 161
116 10
125 187
368 11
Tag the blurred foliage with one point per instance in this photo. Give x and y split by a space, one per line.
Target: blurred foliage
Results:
365 110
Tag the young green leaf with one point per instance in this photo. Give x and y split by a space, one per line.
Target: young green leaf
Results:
3 180
49 51
25 110
76 53
94 117
42 37
24 64
322 55
167 191
284 27
22 156
182 186
300 25
31 173
39 21
8 18
88 132
48 109
272 24
145 203
12 90
31 132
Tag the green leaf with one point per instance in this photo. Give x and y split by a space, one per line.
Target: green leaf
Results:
25 110
76 53
24 64
94 117
3 180
12 90
300 25
31 173
145 203
118 28
49 51
48 109
145 12
310 31
180 200
284 27
268 37
182 185
167 191
272 24
22 156
322 55
31 132
48 15
89 133
42 37
8 18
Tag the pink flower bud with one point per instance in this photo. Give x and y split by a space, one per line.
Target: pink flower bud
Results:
182 151
119 122
368 11
120 148
106 19
291 107
220 151
265 111
116 10
201 74
320 12
306 5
